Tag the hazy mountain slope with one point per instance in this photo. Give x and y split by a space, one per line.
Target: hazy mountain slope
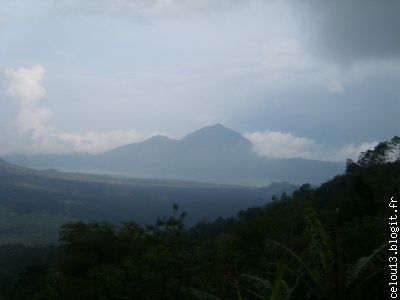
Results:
34 203
211 154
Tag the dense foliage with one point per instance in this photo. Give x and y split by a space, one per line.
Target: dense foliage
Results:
327 242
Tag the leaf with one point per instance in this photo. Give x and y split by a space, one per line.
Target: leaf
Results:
279 283
263 288
362 263
298 260
319 240
258 282
202 295
266 290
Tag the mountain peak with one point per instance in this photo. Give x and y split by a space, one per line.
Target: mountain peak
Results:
215 129
216 126
158 139
216 134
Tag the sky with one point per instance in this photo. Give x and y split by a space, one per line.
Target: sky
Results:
298 78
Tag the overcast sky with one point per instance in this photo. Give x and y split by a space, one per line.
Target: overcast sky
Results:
312 79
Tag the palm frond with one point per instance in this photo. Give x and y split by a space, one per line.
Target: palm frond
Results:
202 295
278 290
298 259
260 284
279 284
378 255
319 245
299 277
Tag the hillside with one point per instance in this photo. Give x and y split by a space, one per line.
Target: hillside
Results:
33 204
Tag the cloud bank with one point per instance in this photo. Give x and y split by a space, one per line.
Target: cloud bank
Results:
344 30
275 144
32 121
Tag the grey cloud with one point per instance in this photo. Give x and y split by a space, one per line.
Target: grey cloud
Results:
343 30
146 9
353 30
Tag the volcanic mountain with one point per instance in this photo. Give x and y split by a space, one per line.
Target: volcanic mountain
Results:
214 154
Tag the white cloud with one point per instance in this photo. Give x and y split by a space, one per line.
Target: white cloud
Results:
275 144
25 85
25 88
32 121
92 142
351 151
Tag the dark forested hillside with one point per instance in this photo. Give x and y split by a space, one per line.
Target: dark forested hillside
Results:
328 242
33 204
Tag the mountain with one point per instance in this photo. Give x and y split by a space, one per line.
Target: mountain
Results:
33 203
212 154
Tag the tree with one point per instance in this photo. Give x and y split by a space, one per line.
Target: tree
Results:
384 152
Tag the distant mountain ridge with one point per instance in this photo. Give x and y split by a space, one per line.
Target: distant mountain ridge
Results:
214 154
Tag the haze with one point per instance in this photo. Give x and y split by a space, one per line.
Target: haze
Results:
309 79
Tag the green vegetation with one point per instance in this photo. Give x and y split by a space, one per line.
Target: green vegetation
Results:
33 204
29 228
321 243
